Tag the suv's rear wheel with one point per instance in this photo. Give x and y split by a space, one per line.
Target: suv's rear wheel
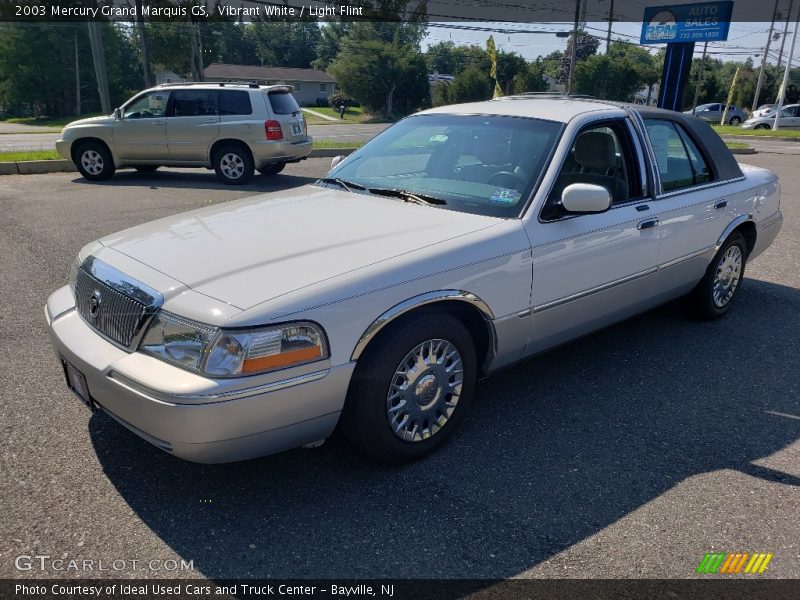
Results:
272 169
411 388
94 161
233 164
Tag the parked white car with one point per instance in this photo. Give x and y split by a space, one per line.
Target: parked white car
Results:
790 119
458 241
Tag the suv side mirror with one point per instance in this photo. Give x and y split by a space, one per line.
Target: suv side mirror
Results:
336 160
585 198
117 114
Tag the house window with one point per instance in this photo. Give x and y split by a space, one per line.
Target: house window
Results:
323 87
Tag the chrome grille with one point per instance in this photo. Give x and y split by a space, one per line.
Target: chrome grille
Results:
116 306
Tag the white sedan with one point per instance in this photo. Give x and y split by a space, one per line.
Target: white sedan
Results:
458 241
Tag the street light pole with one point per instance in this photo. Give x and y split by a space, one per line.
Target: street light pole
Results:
786 73
785 32
572 54
610 21
699 77
764 58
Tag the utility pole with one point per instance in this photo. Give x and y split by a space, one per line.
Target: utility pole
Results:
573 53
700 77
785 32
610 21
99 58
764 58
77 76
149 79
779 108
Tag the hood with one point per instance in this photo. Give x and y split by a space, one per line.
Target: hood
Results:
102 120
250 251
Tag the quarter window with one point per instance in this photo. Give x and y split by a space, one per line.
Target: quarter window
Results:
680 163
234 102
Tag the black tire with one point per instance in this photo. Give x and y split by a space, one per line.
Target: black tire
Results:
272 169
233 164
365 420
762 126
146 168
705 305
734 121
94 161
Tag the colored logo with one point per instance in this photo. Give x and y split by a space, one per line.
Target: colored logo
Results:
662 26
741 562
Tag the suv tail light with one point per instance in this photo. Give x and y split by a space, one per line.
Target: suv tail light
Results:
273 130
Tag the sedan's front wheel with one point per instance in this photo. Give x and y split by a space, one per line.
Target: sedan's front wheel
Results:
715 293
411 388
735 121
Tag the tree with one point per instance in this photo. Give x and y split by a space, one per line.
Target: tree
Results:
284 44
603 77
586 47
531 79
470 85
329 44
509 65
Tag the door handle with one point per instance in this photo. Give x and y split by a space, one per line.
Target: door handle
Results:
648 224
642 207
721 204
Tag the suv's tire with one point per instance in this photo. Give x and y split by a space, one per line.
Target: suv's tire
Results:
374 398
233 164
272 169
714 295
734 121
94 161
146 168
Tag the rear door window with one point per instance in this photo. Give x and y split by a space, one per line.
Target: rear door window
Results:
194 103
234 102
283 103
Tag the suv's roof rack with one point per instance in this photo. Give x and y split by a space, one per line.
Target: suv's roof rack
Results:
250 84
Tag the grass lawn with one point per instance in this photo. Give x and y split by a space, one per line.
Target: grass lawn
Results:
29 155
48 121
731 130
354 114
330 144
736 145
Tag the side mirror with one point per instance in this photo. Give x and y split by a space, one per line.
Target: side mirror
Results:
336 160
117 114
585 198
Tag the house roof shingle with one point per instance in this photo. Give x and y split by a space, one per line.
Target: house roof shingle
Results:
257 73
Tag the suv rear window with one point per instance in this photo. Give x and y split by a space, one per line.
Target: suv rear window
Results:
233 102
283 103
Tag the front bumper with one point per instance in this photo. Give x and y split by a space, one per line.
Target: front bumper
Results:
179 412
64 148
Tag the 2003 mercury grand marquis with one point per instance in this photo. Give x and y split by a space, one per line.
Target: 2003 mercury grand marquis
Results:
458 241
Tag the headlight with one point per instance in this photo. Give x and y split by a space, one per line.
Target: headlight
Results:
230 353
258 350
178 340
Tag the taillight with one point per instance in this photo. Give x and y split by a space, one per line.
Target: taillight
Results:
273 130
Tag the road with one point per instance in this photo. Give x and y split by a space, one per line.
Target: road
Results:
629 453
352 132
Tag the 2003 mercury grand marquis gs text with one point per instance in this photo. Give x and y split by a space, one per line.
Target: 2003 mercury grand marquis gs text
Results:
458 241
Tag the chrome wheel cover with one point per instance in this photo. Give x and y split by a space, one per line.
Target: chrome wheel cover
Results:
92 162
424 390
231 165
726 280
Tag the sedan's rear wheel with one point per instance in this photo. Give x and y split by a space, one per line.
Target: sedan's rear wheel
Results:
762 126
234 165
715 293
735 120
94 161
411 388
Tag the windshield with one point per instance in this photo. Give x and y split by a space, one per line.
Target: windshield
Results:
486 165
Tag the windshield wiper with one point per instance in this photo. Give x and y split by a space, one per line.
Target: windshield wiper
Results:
348 185
407 196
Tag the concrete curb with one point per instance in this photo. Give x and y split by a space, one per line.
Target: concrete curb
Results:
749 150
39 167
759 137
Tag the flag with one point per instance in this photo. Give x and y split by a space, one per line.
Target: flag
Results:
491 50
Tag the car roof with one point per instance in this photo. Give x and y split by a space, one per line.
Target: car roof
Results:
217 85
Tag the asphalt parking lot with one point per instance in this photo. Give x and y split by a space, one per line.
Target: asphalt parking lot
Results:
629 453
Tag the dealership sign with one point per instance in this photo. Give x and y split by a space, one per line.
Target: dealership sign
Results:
696 22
